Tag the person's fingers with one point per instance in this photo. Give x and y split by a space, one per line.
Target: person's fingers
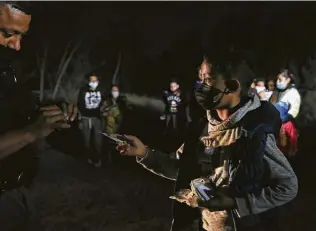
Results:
49 108
74 112
52 112
219 181
123 152
123 149
193 202
118 148
216 175
54 119
206 180
60 125
132 138
68 110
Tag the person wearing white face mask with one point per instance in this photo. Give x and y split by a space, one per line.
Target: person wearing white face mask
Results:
111 111
263 93
89 102
115 93
288 102
112 114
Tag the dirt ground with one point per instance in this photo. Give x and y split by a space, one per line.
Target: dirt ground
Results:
70 195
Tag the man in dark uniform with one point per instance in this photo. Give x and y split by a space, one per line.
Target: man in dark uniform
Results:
18 128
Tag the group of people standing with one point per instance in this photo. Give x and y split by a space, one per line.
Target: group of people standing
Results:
234 149
283 94
98 113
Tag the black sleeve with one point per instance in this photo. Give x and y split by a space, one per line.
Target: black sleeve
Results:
273 116
164 97
160 163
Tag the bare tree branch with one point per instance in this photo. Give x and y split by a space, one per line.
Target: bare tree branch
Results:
63 59
64 68
41 63
117 68
42 75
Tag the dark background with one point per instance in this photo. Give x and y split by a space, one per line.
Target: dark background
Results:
158 41
161 40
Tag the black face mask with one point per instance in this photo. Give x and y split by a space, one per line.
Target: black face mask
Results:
208 97
7 55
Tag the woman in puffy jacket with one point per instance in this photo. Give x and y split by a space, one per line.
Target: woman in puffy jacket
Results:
288 102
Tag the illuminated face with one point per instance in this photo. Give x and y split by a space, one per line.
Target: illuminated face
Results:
115 92
205 70
282 82
174 87
115 89
271 85
93 82
13 25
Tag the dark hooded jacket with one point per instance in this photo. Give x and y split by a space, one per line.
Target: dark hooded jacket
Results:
279 187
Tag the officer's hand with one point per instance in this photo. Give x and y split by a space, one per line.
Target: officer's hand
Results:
51 118
71 112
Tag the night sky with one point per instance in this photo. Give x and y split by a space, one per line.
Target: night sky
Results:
161 40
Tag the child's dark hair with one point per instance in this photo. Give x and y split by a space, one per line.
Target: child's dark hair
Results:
174 80
115 85
288 74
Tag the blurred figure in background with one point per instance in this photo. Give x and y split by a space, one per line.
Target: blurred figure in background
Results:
89 102
197 113
271 85
112 114
176 107
259 86
288 102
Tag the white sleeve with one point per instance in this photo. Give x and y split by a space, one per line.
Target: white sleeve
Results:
294 98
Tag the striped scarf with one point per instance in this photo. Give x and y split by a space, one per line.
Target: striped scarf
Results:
224 133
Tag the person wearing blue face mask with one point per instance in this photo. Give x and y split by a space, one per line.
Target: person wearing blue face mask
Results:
288 102
89 102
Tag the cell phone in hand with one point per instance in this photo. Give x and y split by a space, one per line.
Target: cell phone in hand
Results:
205 191
118 140
123 139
